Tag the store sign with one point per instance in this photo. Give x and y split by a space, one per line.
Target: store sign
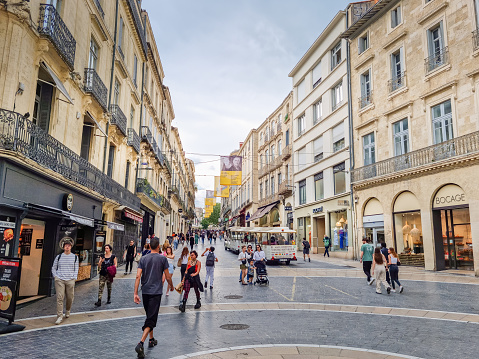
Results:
180 210
318 210
99 240
6 236
450 196
68 202
343 202
288 208
133 216
9 279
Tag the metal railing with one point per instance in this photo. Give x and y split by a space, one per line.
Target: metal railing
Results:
366 100
475 39
143 186
52 27
439 58
460 146
167 163
287 152
285 187
118 118
337 105
121 52
146 134
20 135
94 85
133 139
98 5
138 23
397 82
277 162
264 170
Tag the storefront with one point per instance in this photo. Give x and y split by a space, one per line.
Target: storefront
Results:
148 223
338 230
36 214
452 229
373 222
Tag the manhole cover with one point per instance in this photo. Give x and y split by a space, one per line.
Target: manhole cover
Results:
234 326
233 296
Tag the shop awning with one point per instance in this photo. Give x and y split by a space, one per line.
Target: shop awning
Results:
129 213
96 123
262 211
51 210
112 225
58 82
80 219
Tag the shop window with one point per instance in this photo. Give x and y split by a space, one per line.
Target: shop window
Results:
302 192
338 230
339 178
408 228
318 186
274 216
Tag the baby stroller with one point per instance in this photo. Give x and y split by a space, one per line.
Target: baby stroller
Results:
261 273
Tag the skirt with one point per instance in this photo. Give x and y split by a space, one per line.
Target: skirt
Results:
243 266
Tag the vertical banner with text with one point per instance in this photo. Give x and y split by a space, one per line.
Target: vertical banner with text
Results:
231 167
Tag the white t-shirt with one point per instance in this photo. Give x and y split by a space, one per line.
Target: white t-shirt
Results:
243 256
184 259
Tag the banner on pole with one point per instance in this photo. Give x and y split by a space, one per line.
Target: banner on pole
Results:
231 167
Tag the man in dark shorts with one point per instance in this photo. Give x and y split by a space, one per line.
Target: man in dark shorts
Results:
306 247
150 271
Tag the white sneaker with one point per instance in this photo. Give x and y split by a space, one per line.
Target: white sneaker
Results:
371 281
67 314
401 289
59 320
393 290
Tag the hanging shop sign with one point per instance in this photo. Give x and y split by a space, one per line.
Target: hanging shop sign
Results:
68 202
10 269
288 208
450 196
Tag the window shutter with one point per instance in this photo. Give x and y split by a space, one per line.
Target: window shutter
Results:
441 34
318 145
317 73
45 107
338 132
85 142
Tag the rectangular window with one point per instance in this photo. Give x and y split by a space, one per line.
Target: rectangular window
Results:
395 17
302 158
365 99
93 57
86 141
318 149
317 75
266 184
260 191
135 70
442 122
116 93
127 173
368 149
280 179
317 112
397 70
272 185
401 137
436 47
339 178
302 192
301 125
337 95
318 186
336 56
121 29
286 135
266 157
272 153
363 43
280 143
111 161
132 117
301 91
338 137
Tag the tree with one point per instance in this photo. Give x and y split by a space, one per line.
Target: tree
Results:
213 218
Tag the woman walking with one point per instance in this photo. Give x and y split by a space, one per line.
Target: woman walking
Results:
243 258
184 261
107 260
170 257
192 279
379 271
146 250
393 262
259 255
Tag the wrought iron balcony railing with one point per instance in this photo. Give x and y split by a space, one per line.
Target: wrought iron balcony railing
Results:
475 39
94 85
133 139
397 82
366 100
118 118
275 163
167 163
20 135
460 146
441 57
146 134
121 52
287 152
166 204
263 170
143 186
285 187
138 23
100 9
52 27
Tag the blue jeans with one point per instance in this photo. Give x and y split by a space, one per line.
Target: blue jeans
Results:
394 273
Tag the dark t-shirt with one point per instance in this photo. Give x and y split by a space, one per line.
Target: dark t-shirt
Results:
153 266
385 253
130 250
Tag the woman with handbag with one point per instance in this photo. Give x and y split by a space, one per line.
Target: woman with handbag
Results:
107 259
393 262
183 261
170 257
243 258
192 279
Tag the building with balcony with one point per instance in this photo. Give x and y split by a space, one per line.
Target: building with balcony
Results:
321 143
71 115
416 140
275 188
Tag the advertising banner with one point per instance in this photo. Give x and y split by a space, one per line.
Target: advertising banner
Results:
209 201
210 194
7 226
9 280
231 167
221 191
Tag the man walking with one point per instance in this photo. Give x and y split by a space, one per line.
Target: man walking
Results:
65 272
327 243
211 258
306 247
367 251
150 272
385 253
130 253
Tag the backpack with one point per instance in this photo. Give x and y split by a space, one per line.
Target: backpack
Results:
306 244
60 255
210 259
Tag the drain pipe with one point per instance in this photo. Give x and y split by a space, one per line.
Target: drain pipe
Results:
111 83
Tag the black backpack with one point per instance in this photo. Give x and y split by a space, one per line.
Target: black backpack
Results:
210 259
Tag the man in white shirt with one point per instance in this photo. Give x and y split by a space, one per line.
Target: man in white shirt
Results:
65 272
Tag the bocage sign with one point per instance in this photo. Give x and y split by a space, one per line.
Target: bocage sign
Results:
450 196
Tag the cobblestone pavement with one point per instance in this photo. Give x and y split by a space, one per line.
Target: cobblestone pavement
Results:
294 322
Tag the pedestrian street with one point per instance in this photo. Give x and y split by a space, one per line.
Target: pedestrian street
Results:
317 309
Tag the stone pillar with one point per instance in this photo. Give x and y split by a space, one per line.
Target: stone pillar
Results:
428 238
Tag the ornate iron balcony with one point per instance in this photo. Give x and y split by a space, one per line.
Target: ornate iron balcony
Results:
20 135
146 134
52 27
98 5
167 163
287 152
397 82
133 139
94 85
441 57
366 100
143 186
460 146
285 187
138 23
118 118
475 39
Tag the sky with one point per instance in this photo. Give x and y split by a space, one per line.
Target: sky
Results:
226 64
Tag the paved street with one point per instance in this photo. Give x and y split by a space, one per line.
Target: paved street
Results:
329 307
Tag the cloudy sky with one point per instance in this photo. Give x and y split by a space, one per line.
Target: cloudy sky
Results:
227 63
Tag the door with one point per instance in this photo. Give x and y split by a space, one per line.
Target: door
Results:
31 251
457 240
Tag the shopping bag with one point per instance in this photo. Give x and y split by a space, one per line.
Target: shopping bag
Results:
179 288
